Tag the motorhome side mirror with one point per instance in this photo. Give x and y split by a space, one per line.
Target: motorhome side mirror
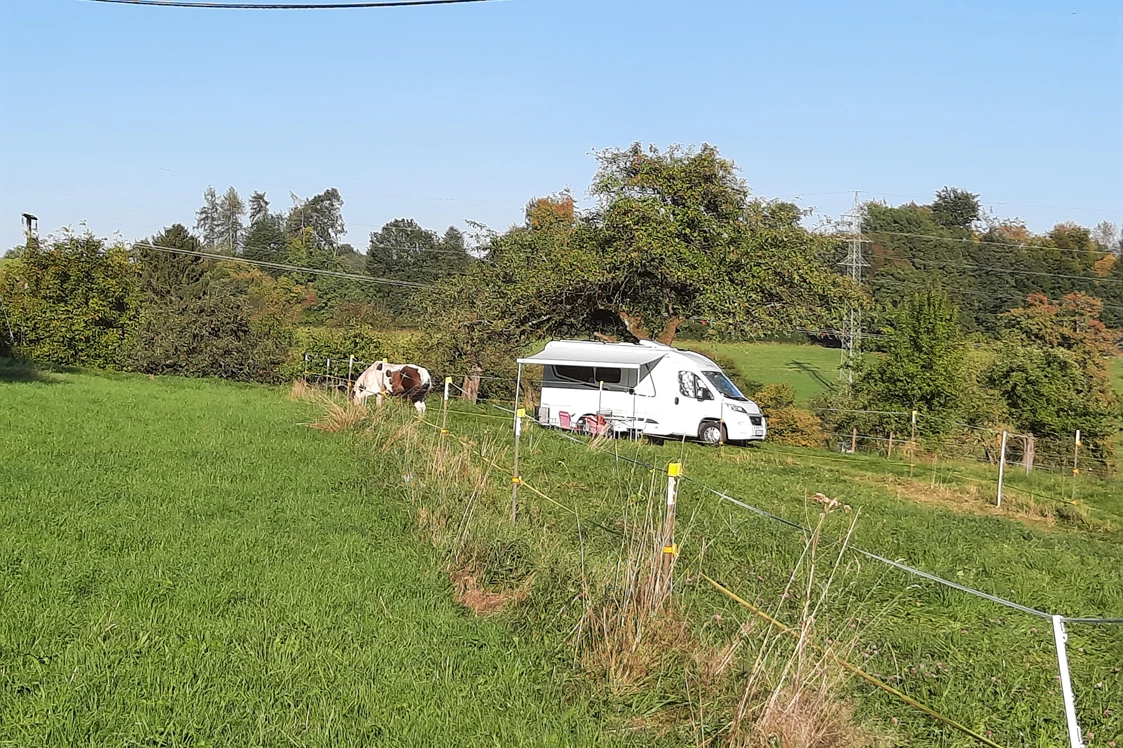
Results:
706 395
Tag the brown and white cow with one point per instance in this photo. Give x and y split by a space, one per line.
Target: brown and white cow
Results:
403 381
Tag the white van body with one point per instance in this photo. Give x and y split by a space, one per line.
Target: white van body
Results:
643 388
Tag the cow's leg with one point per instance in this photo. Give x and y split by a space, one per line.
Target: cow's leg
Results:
378 399
420 405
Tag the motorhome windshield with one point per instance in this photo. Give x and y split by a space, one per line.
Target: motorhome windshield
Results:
723 385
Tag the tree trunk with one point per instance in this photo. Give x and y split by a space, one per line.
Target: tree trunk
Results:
634 323
670 329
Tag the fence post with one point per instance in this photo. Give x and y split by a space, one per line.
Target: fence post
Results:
350 371
1075 463
912 445
854 441
670 548
306 367
1060 636
516 479
471 386
1029 449
444 412
327 373
889 449
1001 466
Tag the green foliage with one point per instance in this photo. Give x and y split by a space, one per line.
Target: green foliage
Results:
366 344
1052 371
924 368
675 237
954 208
317 221
404 251
212 335
167 275
787 423
71 301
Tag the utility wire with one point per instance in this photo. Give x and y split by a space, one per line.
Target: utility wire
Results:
286 6
279 266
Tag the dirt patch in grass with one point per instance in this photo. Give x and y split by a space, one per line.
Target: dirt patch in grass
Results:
479 599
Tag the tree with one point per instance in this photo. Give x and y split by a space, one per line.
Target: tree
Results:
675 236
259 208
923 368
207 219
265 240
322 214
954 208
1052 371
166 274
1107 237
405 251
72 300
230 212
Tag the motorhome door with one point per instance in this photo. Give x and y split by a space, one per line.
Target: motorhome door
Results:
693 403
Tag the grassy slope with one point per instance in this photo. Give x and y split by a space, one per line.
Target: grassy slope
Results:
182 563
990 667
810 369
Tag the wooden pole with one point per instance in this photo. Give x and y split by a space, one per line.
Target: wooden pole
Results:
1001 466
670 548
306 367
912 444
472 384
889 450
854 441
1028 452
350 371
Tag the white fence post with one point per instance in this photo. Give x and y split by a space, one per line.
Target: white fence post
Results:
1061 636
1001 466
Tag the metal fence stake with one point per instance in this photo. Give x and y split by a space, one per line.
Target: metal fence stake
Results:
1001 467
1061 636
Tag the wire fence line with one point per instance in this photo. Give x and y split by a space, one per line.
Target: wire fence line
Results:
515 417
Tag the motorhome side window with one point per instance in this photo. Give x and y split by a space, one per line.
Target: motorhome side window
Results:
588 374
688 384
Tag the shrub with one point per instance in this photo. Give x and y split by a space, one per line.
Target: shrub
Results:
788 423
72 301
214 335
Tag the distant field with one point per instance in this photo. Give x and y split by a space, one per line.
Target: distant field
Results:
182 563
810 369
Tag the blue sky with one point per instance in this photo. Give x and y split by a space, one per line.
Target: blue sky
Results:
121 116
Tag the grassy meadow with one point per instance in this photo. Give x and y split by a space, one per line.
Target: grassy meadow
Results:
809 369
183 563
188 563
991 668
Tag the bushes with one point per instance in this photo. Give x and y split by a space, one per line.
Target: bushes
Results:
71 302
788 424
214 335
365 343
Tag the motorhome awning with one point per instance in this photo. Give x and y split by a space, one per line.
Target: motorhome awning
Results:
594 354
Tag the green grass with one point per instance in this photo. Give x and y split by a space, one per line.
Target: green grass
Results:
810 369
991 668
182 563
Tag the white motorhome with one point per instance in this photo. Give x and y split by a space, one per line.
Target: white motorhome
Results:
642 388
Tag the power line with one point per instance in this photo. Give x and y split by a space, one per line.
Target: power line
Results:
279 266
1008 271
286 6
1008 245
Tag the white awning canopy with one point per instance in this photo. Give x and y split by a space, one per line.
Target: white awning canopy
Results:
587 353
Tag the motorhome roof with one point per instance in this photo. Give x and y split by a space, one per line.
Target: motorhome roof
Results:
592 353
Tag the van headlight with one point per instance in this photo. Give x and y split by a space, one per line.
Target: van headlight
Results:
739 409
